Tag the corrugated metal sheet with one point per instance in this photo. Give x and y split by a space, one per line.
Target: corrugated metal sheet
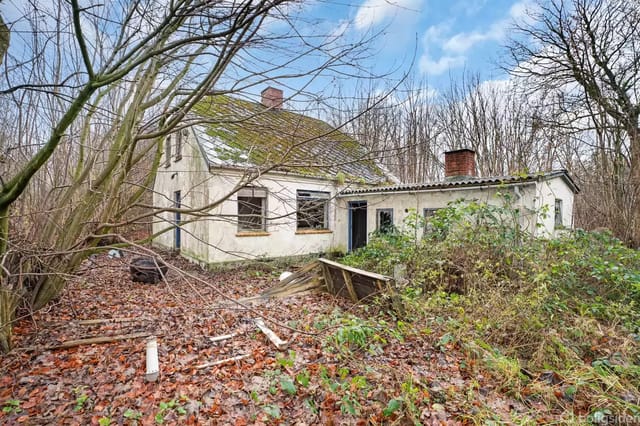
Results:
467 182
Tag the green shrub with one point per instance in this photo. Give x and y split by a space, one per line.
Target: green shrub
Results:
557 303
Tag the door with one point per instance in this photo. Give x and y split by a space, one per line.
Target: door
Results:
357 224
177 203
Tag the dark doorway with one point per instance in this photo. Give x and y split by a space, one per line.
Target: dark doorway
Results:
177 203
357 224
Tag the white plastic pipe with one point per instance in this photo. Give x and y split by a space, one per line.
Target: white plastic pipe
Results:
285 275
153 367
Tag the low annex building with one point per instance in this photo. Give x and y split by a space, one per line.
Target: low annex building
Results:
254 180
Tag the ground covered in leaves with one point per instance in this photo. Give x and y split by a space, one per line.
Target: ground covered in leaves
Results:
345 364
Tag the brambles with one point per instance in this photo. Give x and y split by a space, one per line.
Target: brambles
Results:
522 305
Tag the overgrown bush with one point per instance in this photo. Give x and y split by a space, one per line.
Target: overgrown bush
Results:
570 303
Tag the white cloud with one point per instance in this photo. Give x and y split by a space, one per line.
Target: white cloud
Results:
429 66
436 33
373 12
455 46
497 31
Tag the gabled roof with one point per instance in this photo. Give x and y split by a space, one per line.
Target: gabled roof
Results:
472 182
240 134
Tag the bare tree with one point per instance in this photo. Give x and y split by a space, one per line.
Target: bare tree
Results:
93 91
583 56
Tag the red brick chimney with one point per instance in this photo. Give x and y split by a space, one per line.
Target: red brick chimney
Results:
460 163
272 98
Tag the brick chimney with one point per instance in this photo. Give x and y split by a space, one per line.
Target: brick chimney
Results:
459 164
272 98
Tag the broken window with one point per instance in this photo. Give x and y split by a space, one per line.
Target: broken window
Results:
252 209
384 220
427 214
312 210
557 213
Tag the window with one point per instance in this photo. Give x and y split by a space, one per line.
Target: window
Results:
252 208
313 210
384 220
181 138
167 151
557 213
427 214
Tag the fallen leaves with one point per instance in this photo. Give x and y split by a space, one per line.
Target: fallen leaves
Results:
239 380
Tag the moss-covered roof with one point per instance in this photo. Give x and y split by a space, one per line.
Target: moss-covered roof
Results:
238 133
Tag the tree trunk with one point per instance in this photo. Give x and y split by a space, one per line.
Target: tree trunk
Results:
634 183
8 305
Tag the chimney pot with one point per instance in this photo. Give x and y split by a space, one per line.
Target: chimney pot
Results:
459 164
272 98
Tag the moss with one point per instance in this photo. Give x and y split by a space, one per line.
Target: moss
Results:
270 137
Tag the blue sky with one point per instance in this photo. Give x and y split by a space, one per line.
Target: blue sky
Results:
446 37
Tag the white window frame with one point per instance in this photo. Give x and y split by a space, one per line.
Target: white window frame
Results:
243 196
307 196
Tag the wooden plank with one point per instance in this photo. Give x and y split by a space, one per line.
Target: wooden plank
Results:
153 366
89 341
349 284
223 337
327 278
355 270
222 361
277 342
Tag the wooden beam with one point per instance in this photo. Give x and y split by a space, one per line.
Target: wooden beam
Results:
273 337
355 270
327 278
89 341
222 361
349 284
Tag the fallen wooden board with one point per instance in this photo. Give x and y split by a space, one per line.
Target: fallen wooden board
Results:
105 320
222 337
222 361
273 337
304 280
359 285
88 341
153 366
97 321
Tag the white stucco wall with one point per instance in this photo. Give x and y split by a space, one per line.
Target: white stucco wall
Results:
528 198
547 192
191 177
214 237
404 203
281 237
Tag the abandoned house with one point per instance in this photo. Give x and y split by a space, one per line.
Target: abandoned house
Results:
256 180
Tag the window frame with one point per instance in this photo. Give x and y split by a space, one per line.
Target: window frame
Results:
391 225
303 195
181 138
558 221
167 151
432 212
252 192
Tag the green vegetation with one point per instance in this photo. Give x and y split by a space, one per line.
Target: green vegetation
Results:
11 406
82 399
557 318
250 134
174 407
